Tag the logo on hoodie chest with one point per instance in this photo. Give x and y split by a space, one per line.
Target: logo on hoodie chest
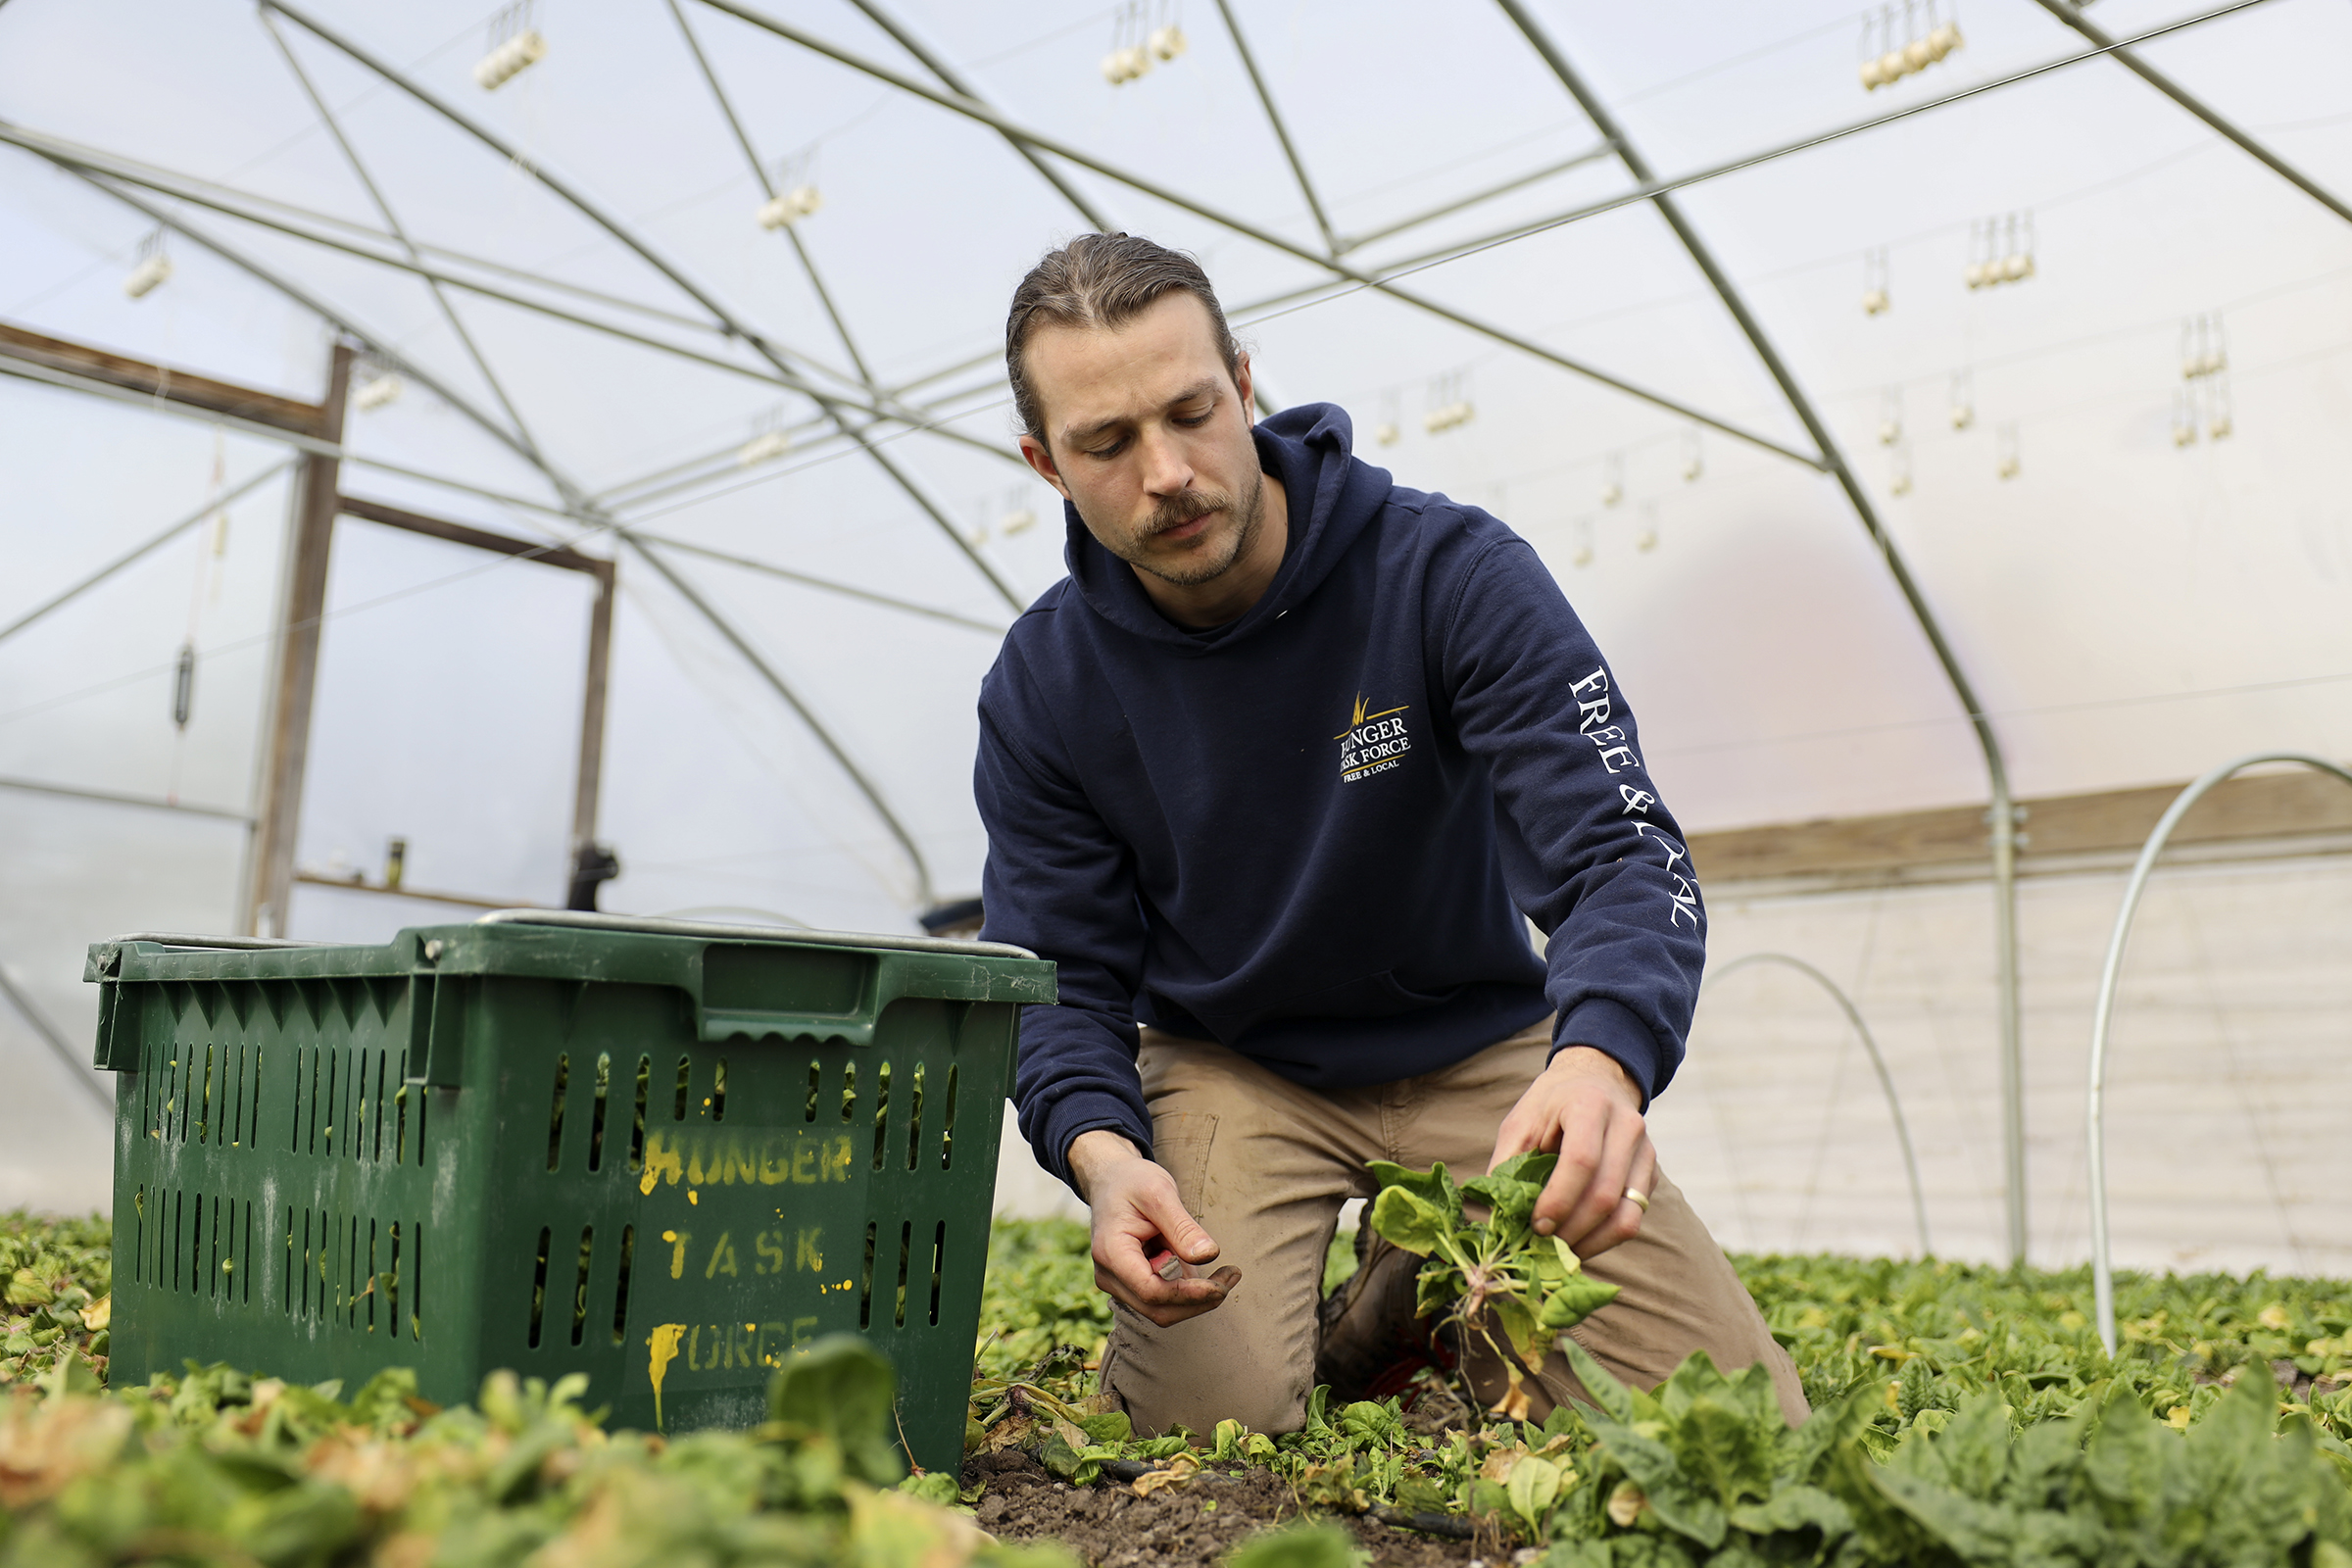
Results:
1372 743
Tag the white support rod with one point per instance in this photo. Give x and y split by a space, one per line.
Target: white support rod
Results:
2070 12
1282 132
145 803
242 203
932 418
905 39
816 726
806 435
982 113
2009 1009
68 595
2102 1266
478 417
449 312
886 411
74 1066
1649 188
326 313
702 606
628 237
905 607
1476 198
768 187
1801 403
1878 1063
555 185
266 432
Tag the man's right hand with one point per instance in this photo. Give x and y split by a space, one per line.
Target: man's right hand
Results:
1143 1236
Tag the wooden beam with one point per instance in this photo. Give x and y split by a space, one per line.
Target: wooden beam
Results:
270 881
404 891
588 779
2262 807
460 533
165 382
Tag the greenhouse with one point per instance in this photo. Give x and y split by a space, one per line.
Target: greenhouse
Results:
464 462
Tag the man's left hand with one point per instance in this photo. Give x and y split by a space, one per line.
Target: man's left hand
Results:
1586 1108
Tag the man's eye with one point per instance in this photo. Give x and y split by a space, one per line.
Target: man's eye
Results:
1110 451
1194 421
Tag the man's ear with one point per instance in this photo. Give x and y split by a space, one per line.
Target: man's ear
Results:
1033 453
1241 384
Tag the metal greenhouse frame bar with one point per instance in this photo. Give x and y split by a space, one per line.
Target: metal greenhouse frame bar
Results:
1878 1064
2095 1105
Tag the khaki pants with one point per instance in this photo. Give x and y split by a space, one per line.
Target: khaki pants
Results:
1265 1164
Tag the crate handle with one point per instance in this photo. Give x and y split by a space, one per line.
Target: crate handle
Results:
764 991
721 1026
740 989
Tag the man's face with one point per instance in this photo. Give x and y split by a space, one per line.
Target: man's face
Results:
1150 437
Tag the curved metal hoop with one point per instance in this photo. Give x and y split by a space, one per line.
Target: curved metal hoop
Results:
2102 1270
1853 1015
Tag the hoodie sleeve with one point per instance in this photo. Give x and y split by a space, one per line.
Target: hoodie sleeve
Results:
1057 883
1592 853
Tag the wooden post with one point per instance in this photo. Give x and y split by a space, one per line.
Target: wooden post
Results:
269 882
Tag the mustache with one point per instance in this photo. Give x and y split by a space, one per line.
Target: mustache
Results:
1175 510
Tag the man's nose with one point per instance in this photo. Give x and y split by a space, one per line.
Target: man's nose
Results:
1168 470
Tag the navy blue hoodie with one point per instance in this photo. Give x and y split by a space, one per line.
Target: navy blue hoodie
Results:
1311 834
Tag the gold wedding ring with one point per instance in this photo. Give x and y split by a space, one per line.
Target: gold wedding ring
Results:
1638 1198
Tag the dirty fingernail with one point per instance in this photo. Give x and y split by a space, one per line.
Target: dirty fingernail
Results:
1545 1227
1171 1269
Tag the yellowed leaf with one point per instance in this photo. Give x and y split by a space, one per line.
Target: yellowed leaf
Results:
892 1530
2272 1316
45 1446
1497 1466
1512 1406
1626 1504
410 1548
1175 1473
381 1475
98 1314
1010 1433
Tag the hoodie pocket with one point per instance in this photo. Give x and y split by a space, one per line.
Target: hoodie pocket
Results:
1371 995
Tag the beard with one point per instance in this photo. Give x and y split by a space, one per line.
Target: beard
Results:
1212 563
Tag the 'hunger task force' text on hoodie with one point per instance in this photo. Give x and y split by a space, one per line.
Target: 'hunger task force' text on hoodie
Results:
1311 834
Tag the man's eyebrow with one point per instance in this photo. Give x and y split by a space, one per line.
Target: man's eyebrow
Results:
1079 435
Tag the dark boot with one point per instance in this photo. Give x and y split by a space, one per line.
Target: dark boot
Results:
1371 1343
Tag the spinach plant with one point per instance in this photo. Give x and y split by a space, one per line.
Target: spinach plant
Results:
1492 1273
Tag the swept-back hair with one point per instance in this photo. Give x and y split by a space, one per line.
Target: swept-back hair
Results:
1101 280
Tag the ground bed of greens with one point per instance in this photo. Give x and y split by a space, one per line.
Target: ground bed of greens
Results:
1962 1415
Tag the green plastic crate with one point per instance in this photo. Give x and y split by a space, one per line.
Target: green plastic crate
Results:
659 1154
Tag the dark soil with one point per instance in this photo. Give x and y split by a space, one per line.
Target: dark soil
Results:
2293 1382
1195 1524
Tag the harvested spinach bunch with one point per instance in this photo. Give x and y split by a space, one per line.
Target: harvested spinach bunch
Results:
1490 1273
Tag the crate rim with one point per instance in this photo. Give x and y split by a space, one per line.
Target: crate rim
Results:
650 925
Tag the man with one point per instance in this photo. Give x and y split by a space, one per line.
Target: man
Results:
1274 776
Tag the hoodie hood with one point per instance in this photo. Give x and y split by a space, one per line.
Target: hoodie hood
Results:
1332 496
